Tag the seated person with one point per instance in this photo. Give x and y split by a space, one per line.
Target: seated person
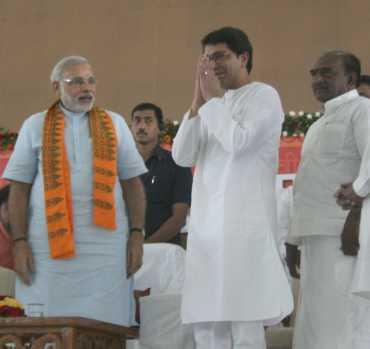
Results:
364 86
6 257
167 185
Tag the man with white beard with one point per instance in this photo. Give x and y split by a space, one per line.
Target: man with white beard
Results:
74 171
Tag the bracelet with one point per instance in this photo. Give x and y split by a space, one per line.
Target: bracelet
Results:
20 239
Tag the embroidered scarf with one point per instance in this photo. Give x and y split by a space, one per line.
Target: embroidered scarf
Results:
57 179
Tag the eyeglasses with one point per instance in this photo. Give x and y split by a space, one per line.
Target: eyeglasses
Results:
219 56
80 81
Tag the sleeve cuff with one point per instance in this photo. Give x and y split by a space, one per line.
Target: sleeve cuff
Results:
18 178
360 189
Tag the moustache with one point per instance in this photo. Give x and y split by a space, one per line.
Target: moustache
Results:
84 95
320 86
141 132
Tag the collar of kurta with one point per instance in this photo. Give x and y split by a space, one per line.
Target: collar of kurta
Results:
342 99
57 178
232 93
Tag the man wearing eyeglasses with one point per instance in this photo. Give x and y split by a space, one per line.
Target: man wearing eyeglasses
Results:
74 174
235 282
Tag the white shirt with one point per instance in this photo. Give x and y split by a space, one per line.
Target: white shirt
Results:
331 156
233 269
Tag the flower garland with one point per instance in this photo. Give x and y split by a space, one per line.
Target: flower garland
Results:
7 139
10 307
296 124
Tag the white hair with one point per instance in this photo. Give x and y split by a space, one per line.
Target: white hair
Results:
63 64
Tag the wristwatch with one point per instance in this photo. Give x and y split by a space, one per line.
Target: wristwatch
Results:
140 230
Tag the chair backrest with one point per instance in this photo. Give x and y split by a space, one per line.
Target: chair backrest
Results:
163 269
7 282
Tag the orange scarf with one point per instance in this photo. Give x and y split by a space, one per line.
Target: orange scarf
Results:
57 181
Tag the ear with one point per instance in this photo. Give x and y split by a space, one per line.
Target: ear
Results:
244 58
352 79
56 88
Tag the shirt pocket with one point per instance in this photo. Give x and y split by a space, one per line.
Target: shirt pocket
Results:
331 138
159 188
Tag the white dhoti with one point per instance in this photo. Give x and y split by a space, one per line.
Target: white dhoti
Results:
329 316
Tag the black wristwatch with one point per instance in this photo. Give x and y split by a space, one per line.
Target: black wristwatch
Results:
140 230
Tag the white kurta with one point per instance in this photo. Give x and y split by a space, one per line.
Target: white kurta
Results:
233 269
94 283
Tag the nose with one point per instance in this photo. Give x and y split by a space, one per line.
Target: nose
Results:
317 77
87 87
141 125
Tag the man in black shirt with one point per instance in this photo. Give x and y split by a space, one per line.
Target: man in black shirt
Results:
364 86
167 185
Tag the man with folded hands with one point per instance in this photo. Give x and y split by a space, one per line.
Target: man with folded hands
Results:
235 281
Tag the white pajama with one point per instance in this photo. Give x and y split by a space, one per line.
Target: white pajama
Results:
229 335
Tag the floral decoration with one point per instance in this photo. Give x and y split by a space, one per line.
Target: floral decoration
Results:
7 139
169 131
296 124
10 307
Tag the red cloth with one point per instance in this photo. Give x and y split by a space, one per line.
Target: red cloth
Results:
290 154
4 157
6 256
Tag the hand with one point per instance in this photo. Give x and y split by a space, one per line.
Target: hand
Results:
346 197
134 253
198 99
350 233
23 261
209 83
293 259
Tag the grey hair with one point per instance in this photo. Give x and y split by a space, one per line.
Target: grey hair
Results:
63 64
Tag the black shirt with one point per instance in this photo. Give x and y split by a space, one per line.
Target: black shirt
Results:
165 185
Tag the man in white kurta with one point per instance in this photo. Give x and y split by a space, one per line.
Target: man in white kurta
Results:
235 281
96 282
329 317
